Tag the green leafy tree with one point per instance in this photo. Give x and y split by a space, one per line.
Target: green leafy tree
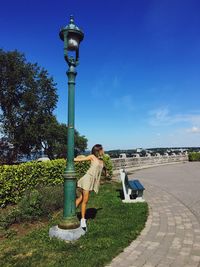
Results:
55 140
27 100
5 151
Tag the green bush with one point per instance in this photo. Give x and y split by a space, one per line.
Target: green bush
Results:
194 156
16 179
108 165
9 217
30 206
33 206
51 199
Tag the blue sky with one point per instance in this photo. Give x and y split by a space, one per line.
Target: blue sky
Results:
138 82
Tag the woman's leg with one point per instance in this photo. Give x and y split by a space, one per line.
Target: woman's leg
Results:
84 203
79 199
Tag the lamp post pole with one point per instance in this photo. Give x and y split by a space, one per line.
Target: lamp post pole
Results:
69 218
72 36
69 228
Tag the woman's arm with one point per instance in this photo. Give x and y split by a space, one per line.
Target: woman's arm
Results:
83 158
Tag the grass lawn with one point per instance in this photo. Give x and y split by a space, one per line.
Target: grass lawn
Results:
112 225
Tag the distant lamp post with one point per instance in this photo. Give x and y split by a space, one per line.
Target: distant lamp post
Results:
72 36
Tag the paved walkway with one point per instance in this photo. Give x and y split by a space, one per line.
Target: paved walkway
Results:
172 233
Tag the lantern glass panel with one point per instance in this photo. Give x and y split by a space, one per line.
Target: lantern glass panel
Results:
73 42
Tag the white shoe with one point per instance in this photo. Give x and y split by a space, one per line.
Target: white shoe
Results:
83 224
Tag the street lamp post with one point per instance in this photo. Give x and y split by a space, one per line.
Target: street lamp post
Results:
72 36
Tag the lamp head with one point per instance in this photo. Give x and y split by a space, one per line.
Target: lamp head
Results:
72 36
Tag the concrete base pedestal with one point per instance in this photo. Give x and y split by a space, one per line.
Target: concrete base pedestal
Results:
67 235
136 200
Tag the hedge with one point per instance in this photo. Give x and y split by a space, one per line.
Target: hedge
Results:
16 179
194 156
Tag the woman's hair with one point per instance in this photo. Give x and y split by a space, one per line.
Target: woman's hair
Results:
96 149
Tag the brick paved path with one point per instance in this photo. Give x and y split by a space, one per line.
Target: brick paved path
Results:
171 236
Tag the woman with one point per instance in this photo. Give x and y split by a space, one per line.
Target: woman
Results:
91 180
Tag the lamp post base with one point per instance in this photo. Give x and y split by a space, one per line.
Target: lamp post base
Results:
66 234
69 223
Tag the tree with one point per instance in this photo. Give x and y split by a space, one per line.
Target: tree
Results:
5 151
27 100
58 149
55 140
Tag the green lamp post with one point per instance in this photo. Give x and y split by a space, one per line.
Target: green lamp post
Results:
72 36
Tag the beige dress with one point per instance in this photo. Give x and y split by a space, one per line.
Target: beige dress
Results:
91 180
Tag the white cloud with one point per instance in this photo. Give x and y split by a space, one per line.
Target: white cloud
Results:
159 116
163 117
194 130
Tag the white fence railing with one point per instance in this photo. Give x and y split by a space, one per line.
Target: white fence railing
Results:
134 163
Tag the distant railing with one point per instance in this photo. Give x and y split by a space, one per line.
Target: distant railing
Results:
137 163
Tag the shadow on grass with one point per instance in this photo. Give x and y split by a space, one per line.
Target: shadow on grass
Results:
90 213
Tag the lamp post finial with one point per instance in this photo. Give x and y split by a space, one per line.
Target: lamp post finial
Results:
71 19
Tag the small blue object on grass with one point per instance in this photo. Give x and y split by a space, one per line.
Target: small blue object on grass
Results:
133 189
